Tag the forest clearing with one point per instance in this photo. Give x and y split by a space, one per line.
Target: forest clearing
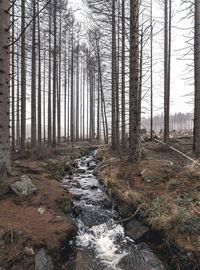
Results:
99 135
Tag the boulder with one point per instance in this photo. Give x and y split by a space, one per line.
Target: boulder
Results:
81 262
141 258
43 261
135 230
24 186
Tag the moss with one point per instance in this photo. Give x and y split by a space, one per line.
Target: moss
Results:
165 216
191 226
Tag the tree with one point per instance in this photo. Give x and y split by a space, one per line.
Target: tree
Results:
4 90
54 73
33 80
196 143
114 141
134 98
123 77
23 77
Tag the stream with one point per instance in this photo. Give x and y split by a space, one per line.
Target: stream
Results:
105 244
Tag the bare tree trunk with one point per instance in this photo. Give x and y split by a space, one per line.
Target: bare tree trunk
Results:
196 143
123 77
18 99
117 77
72 88
113 76
135 144
39 85
4 91
54 74
65 92
69 68
151 69
44 94
166 74
83 103
33 81
13 77
77 93
23 78
59 76
49 86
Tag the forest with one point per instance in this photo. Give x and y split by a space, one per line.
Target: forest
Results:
99 135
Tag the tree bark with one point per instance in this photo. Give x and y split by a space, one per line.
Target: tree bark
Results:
134 129
33 80
4 91
196 143
13 77
23 77
54 74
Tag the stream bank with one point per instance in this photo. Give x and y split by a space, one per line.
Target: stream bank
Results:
146 189
35 227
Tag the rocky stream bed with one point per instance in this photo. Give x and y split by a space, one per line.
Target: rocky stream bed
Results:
101 242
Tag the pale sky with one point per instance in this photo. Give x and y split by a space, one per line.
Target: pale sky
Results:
179 68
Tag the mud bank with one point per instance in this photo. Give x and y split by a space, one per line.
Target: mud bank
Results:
35 229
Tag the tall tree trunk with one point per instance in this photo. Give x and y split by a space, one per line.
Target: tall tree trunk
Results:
54 74
114 142
151 18
77 93
18 98
49 86
166 75
123 77
72 87
117 77
134 129
39 85
44 94
196 143
33 80
59 78
65 92
23 78
83 103
13 77
4 91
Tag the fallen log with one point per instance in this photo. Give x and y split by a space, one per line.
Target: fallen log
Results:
178 151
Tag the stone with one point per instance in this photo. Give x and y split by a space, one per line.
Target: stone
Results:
29 251
80 170
141 259
135 230
77 210
24 186
107 203
41 211
43 261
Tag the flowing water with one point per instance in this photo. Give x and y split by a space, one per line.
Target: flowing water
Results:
94 214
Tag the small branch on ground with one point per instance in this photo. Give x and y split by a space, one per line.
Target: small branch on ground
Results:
129 218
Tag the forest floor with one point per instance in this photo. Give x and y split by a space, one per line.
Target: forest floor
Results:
163 189
24 230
